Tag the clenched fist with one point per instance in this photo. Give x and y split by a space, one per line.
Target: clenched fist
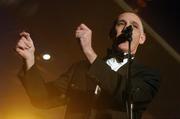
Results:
25 48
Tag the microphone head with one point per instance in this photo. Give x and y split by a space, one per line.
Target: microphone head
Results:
128 31
125 36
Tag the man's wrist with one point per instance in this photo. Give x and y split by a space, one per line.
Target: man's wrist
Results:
29 63
91 55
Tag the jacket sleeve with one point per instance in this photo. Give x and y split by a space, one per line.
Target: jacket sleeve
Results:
145 83
42 94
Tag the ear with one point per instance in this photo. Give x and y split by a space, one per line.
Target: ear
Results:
142 38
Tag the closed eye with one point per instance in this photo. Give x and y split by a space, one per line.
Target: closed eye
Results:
120 22
135 25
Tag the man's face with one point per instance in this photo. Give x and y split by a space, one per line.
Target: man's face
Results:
138 36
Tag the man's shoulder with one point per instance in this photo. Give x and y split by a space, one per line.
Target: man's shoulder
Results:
143 68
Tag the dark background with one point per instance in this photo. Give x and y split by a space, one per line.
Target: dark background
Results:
52 25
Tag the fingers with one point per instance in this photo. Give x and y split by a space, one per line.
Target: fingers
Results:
19 51
82 27
82 30
25 47
26 35
25 41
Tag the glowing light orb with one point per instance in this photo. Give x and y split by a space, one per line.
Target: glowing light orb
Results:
46 56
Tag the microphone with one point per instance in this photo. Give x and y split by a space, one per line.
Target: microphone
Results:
128 32
125 36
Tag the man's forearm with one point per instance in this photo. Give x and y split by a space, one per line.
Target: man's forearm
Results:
90 55
29 63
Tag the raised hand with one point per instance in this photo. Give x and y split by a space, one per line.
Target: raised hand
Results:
84 34
25 48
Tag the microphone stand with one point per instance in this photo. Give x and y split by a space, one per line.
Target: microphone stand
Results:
129 101
127 36
129 98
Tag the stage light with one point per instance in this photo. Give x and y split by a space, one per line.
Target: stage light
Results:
46 56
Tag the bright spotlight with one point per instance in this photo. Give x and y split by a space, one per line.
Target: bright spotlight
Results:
46 57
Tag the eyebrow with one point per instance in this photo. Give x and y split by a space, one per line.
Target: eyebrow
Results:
121 20
135 23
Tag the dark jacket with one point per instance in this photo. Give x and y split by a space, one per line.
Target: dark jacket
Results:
76 89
